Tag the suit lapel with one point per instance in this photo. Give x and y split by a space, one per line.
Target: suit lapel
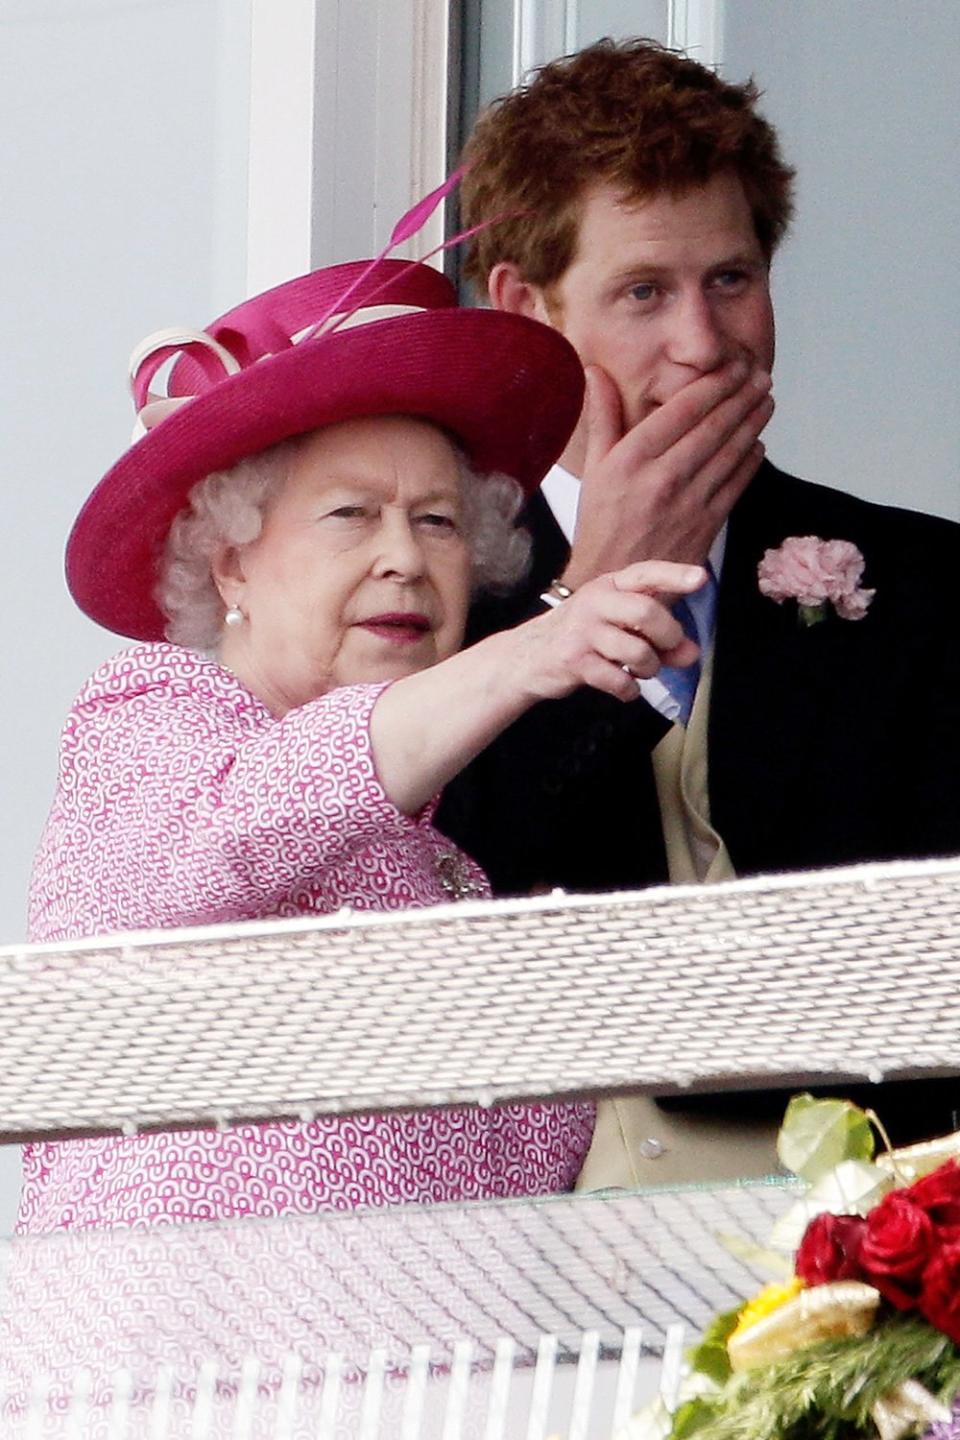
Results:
784 703
790 706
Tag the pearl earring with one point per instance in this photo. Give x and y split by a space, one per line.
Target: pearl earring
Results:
233 616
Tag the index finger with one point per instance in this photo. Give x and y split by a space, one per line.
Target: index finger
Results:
659 577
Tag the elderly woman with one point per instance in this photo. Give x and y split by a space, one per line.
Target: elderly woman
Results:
295 539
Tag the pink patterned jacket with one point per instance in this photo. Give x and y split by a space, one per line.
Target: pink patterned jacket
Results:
181 800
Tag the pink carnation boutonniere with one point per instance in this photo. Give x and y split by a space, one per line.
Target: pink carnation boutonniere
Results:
816 573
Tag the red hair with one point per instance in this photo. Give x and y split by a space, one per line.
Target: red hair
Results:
633 115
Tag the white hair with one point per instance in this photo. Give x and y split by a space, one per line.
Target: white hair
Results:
227 509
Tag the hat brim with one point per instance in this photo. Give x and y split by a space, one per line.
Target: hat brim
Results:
507 388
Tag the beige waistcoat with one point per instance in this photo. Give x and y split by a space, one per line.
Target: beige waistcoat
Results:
635 1143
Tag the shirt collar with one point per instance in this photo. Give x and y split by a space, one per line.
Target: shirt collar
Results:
561 490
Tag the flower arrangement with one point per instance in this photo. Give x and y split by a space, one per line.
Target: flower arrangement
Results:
817 574
861 1340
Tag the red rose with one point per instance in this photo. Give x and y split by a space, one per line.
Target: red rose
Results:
940 1298
897 1243
830 1249
939 1195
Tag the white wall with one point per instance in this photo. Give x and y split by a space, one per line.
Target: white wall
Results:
123 176
123 173
864 94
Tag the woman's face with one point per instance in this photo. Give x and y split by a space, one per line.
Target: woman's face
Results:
361 571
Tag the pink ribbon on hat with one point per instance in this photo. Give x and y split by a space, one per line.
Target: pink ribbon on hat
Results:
214 359
278 319
271 323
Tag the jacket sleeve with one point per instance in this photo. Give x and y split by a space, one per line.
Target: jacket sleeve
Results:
175 808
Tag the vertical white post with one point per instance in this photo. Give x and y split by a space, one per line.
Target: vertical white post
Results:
348 110
672 1367
499 1394
202 1419
457 1393
119 1416
408 113
330 1404
289 1395
542 1387
283 45
372 1396
160 1409
626 1377
416 1393
542 30
583 1390
246 1407
79 1401
696 26
571 27
428 115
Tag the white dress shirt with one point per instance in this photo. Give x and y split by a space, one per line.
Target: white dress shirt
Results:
562 493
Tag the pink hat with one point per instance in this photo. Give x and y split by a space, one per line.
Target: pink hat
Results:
366 338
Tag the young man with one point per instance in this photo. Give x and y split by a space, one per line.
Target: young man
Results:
644 199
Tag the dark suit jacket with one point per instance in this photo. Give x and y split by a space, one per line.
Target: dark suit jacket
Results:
828 745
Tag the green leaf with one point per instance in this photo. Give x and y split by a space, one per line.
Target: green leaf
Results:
816 1135
826 1391
712 1360
710 1356
692 1416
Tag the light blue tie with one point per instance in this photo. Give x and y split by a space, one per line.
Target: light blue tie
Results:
697 615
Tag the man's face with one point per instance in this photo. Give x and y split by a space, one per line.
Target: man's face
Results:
662 291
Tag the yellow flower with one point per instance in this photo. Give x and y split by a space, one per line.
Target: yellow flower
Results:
770 1298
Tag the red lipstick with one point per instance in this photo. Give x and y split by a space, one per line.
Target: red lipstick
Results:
402 627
